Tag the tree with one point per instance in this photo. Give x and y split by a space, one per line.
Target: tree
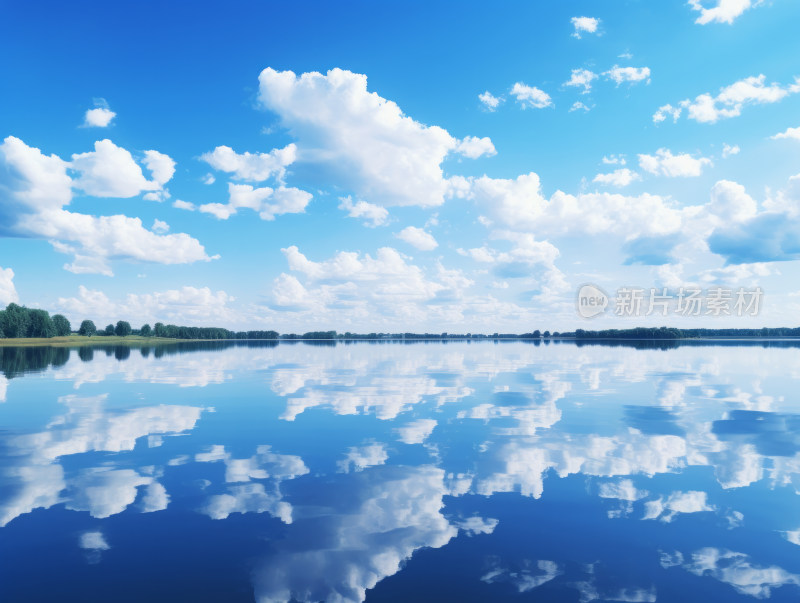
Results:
40 324
159 330
15 321
537 333
145 331
109 330
62 326
87 328
123 328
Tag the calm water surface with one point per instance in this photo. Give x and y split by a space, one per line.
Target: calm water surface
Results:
391 472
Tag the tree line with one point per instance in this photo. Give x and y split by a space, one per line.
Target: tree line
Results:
18 321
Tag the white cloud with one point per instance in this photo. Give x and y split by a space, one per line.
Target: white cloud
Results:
530 96
478 525
359 458
530 576
519 205
790 133
621 490
584 25
473 147
667 111
359 538
161 166
581 78
735 569
37 186
676 503
178 204
155 498
614 160
733 98
8 293
619 178
628 74
579 106
724 11
266 202
728 150
356 140
93 541
100 116
110 171
372 215
187 305
664 163
159 226
352 287
249 498
490 101
254 167
105 492
417 237
416 432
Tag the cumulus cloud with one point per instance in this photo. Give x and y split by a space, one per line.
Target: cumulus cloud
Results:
351 286
730 100
373 522
618 178
724 11
265 201
418 237
358 141
93 541
254 167
584 25
665 111
36 187
790 133
519 205
579 106
110 171
416 432
474 147
372 215
628 74
8 293
100 116
735 569
581 78
359 458
490 101
729 150
249 498
187 305
664 163
676 503
529 576
530 97
614 160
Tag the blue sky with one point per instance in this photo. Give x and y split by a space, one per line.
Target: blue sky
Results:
396 166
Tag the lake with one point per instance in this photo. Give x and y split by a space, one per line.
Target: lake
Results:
483 471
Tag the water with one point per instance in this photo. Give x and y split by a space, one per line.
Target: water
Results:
391 472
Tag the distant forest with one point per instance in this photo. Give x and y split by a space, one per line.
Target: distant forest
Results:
18 322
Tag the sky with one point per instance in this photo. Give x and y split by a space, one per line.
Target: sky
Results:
388 166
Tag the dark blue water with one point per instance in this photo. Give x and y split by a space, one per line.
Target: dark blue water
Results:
428 472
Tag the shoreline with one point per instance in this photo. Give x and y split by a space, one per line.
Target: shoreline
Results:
139 341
